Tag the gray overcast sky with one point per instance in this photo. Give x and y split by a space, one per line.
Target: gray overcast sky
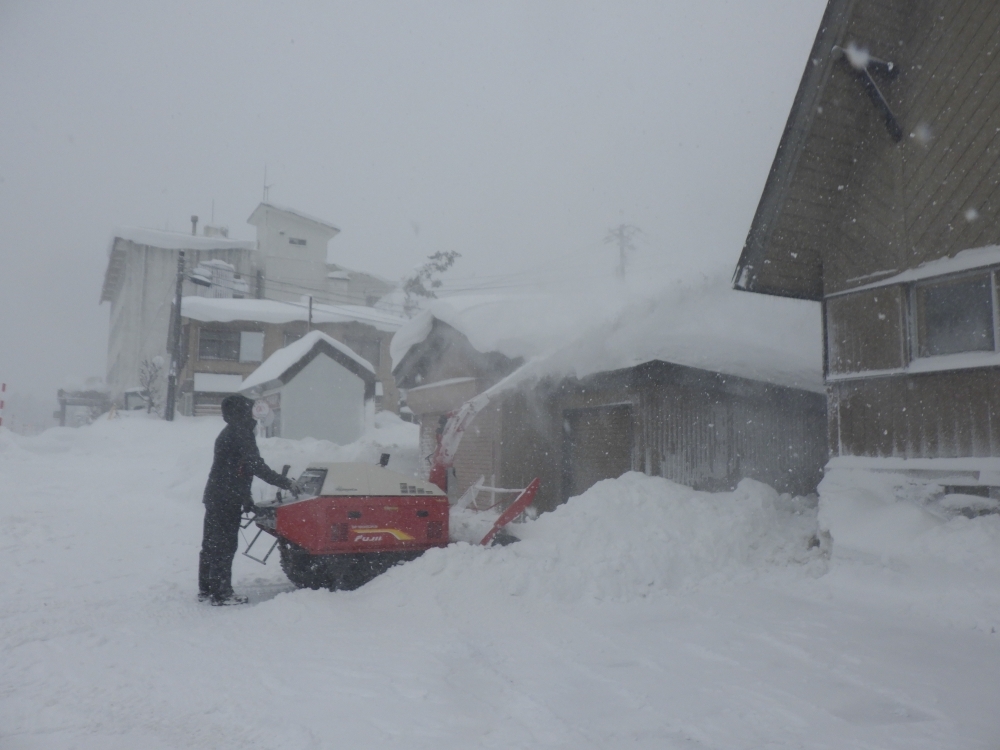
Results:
510 131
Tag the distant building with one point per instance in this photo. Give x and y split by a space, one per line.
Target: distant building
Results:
705 390
294 250
315 387
224 340
139 282
288 262
882 205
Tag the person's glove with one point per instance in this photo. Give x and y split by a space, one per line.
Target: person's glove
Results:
295 488
249 507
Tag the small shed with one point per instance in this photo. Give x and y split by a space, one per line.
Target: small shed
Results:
315 387
704 386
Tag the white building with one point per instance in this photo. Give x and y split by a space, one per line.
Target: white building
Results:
139 282
315 387
288 262
295 251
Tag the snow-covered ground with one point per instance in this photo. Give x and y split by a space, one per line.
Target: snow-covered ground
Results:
641 615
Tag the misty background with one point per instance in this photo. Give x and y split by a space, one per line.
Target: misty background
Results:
516 133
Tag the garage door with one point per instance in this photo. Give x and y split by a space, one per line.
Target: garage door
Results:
597 445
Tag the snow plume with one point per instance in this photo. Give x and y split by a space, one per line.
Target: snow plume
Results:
857 57
708 326
628 538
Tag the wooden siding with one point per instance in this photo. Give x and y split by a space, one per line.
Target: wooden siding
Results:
708 430
598 444
856 203
931 415
530 443
866 330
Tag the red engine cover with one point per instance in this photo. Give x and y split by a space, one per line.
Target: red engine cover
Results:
329 525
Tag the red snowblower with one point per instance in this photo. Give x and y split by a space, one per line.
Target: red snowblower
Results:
354 521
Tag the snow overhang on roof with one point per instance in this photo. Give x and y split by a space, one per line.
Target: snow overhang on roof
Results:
257 217
178 240
709 327
285 363
221 310
158 239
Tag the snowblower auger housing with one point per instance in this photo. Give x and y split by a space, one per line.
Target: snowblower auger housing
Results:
353 522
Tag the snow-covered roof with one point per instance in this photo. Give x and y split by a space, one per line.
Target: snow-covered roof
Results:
221 310
177 240
254 217
525 325
967 260
714 327
710 327
273 369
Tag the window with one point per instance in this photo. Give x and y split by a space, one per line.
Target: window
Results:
251 346
296 241
218 344
954 316
370 349
234 346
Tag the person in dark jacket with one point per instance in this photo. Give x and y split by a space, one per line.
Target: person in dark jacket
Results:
227 496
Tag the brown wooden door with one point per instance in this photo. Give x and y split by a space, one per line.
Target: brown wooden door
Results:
597 445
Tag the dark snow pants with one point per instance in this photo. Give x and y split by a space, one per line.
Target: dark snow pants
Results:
219 542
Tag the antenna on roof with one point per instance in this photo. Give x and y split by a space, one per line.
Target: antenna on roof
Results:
266 186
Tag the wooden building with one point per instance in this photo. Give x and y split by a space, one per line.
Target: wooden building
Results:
704 389
882 204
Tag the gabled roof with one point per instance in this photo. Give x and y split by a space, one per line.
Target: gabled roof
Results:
286 363
751 272
258 216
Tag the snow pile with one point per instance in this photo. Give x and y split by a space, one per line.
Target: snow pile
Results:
553 642
626 538
900 537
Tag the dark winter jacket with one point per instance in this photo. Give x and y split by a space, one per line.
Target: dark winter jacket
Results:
237 460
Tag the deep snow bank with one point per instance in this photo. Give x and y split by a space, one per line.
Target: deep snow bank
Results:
896 536
628 537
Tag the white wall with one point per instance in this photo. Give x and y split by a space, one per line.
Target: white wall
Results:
324 401
140 312
297 265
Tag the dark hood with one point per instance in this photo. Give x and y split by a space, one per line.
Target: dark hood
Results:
237 410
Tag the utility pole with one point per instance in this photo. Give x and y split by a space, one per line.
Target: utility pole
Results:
175 334
622 235
309 326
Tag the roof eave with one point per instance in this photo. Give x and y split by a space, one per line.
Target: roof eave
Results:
790 148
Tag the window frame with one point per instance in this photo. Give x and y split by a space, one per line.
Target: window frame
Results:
227 332
914 311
